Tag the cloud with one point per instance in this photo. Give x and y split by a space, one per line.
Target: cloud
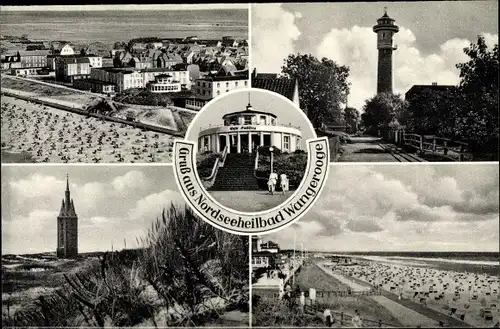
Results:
273 35
45 185
31 233
364 225
132 180
151 206
356 47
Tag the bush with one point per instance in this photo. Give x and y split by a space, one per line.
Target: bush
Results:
205 163
264 150
293 165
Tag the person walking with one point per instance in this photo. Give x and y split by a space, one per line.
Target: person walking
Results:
271 183
284 183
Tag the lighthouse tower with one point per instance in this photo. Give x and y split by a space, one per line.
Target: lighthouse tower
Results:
385 29
67 227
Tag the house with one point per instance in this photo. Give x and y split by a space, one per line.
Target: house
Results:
72 68
127 78
33 58
281 85
164 83
416 90
95 86
61 48
212 86
262 257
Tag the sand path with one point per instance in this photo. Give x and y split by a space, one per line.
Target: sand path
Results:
405 316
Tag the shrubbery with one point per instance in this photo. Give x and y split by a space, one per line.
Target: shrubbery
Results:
186 267
293 165
205 163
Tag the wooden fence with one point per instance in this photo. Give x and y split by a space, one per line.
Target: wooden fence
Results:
345 319
429 144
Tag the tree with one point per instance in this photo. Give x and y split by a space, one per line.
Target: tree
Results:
477 117
322 83
383 111
432 112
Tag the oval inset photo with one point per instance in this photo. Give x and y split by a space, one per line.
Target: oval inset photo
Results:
251 149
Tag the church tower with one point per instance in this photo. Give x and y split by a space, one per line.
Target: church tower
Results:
385 30
67 227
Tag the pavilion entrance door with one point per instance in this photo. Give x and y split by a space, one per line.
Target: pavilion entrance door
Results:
244 143
267 140
255 142
222 142
233 146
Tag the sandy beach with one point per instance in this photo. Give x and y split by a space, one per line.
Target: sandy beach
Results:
52 135
462 295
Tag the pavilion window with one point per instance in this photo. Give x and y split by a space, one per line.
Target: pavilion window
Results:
286 142
247 120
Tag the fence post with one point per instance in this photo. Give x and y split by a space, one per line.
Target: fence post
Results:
341 317
461 155
434 145
380 323
422 143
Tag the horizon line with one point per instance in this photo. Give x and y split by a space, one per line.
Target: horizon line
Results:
210 6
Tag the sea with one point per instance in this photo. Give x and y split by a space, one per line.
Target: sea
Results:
122 25
472 262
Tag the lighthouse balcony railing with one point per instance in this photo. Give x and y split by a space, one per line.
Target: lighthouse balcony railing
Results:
289 125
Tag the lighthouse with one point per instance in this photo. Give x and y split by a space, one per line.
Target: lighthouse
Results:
385 30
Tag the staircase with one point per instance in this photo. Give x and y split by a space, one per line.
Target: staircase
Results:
237 174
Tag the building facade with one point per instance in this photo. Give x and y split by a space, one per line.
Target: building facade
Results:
127 78
70 68
244 131
385 30
164 83
33 58
95 86
210 87
67 227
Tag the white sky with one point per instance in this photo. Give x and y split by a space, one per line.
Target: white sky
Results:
113 203
430 41
385 207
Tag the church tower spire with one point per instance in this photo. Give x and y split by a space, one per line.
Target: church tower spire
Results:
67 227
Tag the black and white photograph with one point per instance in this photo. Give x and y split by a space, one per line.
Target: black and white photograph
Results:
386 246
252 151
408 81
114 246
112 83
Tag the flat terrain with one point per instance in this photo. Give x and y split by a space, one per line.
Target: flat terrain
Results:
365 149
250 201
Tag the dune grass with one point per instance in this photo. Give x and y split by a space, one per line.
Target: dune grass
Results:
187 274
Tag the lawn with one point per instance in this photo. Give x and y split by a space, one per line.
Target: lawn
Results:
249 201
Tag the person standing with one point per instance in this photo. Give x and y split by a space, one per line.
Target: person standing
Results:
272 181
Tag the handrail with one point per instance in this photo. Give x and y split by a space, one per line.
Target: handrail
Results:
256 166
219 162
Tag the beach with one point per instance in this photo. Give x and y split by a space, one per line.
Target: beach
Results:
53 135
469 297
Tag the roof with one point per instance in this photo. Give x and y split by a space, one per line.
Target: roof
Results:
420 88
223 78
34 52
283 86
248 111
72 60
